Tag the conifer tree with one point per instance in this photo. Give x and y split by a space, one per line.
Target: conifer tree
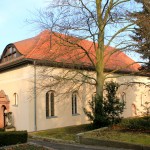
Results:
142 31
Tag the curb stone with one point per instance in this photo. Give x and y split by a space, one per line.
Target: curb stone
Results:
10 146
52 139
79 135
96 142
30 143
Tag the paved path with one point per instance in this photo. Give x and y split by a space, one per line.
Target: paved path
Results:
64 146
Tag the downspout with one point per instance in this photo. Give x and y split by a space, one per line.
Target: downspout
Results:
35 119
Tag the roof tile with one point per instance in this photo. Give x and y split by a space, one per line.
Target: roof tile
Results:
49 47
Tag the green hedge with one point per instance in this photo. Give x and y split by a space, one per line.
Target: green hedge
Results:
1 129
13 137
141 123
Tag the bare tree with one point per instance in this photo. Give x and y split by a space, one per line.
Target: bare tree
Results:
81 33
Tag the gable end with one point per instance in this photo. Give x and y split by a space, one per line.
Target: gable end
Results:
10 53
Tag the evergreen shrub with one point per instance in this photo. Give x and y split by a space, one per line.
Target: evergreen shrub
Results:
13 137
140 123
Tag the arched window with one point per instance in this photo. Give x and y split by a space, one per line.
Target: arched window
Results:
50 108
74 103
93 96
15 99
134 110
123 98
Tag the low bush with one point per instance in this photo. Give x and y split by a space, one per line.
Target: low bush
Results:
13 137
1 129
140 124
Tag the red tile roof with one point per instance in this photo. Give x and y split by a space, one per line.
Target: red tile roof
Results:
49 47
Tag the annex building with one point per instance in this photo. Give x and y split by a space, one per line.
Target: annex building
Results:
34 94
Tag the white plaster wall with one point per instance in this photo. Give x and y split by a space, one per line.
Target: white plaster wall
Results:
18 81
136 94
63 113
63 107
63 104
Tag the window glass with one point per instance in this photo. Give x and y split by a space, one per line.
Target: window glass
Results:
10 54
74 103
123 97
50 111
16 99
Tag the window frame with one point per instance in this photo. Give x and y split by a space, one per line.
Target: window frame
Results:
123 99
10 54
50 104
74 99
15 99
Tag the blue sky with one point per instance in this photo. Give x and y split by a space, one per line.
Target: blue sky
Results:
13 15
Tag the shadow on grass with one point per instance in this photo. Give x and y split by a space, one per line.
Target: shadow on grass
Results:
66 133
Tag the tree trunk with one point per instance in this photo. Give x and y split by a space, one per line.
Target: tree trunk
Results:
100 74
100 52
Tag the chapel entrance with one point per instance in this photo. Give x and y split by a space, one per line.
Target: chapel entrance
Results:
4 107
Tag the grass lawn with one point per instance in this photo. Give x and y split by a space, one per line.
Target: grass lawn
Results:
69 133
66 133
122 136
25 147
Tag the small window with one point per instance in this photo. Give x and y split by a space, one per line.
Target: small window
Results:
94 96
123 98
14 50
74 103
15 99
93 100
144 98
134 110
10 50
50 111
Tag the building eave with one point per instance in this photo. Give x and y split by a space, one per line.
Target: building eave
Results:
84 67
23 61
13 64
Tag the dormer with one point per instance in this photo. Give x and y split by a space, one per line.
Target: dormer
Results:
10 53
